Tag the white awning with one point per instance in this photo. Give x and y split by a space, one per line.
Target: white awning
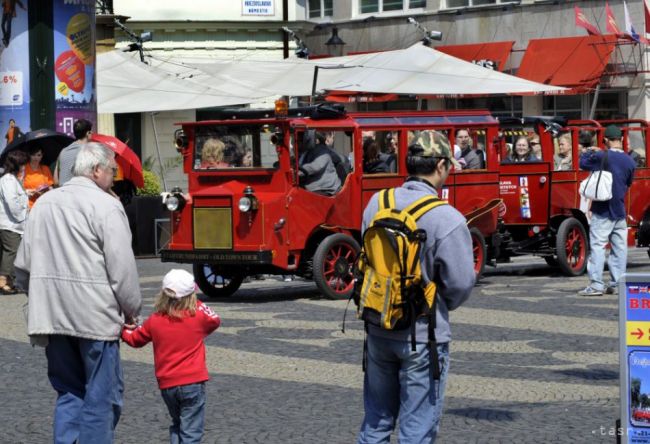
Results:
124 84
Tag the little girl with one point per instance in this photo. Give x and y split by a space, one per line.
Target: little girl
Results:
177 328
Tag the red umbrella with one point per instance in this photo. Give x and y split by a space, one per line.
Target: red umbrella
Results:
125 158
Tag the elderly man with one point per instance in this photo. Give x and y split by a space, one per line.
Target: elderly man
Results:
76 264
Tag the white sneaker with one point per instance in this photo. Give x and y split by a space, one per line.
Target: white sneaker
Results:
288 278
589 291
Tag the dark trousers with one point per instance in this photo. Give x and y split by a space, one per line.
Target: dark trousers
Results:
6 27
9 243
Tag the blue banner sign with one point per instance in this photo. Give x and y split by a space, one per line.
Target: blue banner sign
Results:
634 328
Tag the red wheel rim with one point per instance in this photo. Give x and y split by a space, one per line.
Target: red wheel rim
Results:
337 268
576 249
478 254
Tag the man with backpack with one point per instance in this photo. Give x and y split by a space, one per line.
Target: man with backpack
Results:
417 251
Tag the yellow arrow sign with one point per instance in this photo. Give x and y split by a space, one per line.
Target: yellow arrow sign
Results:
637 333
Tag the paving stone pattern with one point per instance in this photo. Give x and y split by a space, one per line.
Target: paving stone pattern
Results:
532 362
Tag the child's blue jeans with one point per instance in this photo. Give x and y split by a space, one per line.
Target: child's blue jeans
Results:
186 405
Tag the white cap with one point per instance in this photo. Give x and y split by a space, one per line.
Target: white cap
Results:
180 282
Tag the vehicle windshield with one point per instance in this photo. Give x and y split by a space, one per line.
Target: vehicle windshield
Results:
221 147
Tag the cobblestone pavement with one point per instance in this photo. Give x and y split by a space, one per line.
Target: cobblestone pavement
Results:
532 362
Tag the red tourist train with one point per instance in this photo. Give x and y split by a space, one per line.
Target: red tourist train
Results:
248 212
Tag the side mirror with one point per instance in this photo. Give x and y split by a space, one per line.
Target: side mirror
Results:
180 140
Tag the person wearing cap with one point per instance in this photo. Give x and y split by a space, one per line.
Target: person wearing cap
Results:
76 265
177 329
398 382
608 219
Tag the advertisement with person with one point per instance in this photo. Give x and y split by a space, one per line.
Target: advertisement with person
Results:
14 71
74 63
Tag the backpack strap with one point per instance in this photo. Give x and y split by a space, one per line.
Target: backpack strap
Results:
421 206
387 198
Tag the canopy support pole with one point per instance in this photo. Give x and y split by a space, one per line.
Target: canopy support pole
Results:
594 103
313 85
155 135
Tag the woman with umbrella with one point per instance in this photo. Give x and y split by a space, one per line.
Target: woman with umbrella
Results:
38 177
13 215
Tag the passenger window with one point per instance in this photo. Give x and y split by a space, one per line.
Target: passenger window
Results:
324 160
234 146
380 152
563 157
521 145
636 147
469 148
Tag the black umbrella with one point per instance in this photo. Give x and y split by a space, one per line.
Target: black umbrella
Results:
49 141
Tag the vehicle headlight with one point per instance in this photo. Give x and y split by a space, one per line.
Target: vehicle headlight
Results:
172 203
245 204
174 200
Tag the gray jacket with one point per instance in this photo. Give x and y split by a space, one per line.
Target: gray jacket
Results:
65 163
447 259
76 263
319 170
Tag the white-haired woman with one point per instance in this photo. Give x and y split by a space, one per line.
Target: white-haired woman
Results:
13 215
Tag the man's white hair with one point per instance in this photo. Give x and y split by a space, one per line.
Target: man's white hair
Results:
90 156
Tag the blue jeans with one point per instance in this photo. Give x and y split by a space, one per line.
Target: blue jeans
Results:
87 376
601 231
399 383
186 405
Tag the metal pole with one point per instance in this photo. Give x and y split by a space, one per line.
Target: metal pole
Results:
155 135
593 104
285 36
313 85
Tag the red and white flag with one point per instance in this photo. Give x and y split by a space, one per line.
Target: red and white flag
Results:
612 27
582 22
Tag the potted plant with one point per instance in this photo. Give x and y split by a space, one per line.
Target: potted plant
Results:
142 212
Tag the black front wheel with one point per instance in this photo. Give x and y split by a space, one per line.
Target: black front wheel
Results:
333 262
216 283
572 247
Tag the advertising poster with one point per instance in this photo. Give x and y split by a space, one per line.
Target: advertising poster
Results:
635 360
14 71
74 63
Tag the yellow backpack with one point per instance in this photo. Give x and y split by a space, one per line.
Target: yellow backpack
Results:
390 291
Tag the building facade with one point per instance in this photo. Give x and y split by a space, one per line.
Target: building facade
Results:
541 25
536 39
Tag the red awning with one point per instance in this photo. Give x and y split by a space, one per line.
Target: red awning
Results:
492 55
572 62
355 97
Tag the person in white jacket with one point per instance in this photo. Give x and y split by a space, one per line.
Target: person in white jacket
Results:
78 270
13 214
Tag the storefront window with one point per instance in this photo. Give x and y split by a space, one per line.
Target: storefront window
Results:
498 106
461 3
565 106
370 6
320 8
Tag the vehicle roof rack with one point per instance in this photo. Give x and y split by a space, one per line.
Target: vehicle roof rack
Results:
316 112
532 120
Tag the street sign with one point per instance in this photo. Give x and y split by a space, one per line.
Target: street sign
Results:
634 358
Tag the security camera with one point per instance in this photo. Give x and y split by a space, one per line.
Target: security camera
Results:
411 20
146 36
435 35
